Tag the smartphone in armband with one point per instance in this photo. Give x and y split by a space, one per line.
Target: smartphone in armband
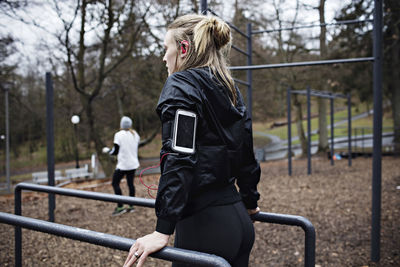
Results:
184 134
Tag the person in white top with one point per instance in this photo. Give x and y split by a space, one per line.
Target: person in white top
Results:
126 143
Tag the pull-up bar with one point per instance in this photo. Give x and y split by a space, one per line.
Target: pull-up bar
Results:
303 64
343 22
320 94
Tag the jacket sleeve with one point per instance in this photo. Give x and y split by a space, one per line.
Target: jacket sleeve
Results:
177 169
249 173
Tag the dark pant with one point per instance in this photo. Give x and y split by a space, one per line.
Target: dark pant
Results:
117 177
225 231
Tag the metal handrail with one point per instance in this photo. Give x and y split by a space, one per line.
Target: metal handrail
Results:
110 241
305 224
283 219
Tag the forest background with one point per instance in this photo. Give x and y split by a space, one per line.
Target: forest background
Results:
106 61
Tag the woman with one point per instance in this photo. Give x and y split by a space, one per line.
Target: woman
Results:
197 196
126 143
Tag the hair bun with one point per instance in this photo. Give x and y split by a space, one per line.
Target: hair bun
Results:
221 30
210 31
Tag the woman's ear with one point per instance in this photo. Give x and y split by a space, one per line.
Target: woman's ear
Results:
184 48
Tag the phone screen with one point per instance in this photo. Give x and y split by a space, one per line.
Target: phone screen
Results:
185 131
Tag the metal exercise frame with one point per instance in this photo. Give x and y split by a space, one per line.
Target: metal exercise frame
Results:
283 219
377 91
331 96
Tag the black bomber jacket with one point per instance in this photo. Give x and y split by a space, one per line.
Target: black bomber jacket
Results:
224 150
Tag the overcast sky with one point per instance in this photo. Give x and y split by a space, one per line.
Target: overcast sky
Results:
30 38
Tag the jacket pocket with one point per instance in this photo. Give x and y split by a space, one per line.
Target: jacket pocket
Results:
213 165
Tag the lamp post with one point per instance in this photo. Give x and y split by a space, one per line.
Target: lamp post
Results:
6 87
3 138
75 120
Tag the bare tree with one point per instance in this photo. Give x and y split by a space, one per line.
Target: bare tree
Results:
111 21
392 64
286 53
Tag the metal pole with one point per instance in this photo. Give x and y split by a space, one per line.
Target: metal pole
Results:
308 131
249 74
377 145
289 119
7 141
17 230
50 141
362 141
349 126
355 138
76 146
203 7
332 132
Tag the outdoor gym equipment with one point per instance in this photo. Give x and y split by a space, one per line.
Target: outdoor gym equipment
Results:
284 219
377 91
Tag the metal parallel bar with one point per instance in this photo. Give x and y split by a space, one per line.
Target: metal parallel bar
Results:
343 22
276 218
50 141
349 127
241 82
230 24
332 131
86 194
302 64
289 120
17 230
315 94
240 50
308 131
377 142
110 241
249 74
304 223
320 94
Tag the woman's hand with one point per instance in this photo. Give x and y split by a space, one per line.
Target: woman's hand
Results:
253 211
144 246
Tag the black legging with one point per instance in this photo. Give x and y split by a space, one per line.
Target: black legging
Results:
226 231
117 177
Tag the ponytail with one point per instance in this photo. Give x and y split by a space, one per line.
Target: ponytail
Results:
208 37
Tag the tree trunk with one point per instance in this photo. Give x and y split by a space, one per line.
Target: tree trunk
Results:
394 89
395 101
119 103
299 126
323 145
393 66
104 159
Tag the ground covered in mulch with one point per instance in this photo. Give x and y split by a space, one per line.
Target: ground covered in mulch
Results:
336 199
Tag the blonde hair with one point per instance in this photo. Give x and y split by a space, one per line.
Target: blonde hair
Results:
208 38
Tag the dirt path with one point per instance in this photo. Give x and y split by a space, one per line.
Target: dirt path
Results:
337 200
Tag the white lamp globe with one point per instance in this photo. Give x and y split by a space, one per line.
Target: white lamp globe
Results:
75 119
